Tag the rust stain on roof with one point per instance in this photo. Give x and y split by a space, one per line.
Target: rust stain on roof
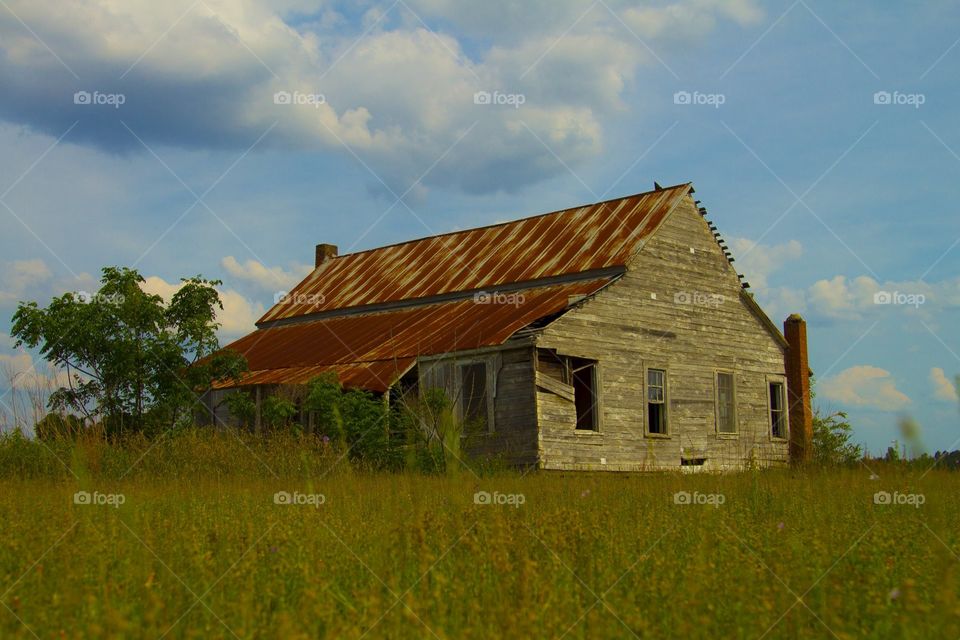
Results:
371 350
373 376
570 241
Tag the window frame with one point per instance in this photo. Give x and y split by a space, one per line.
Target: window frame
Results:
733 399
491 369
667 431
597 407
546 354
782 381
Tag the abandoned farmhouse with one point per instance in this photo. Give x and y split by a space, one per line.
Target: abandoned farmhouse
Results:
610 336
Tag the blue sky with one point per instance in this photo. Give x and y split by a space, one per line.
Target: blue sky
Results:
827 193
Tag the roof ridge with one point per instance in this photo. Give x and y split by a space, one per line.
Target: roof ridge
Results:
608 273
501 224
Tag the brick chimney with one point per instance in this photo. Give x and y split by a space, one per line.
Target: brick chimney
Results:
325 252
798 390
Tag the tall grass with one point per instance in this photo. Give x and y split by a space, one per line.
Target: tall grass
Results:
200 548
182 454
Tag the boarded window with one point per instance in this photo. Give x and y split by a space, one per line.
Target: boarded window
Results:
583 374
778 418
726 404
656 401
473 392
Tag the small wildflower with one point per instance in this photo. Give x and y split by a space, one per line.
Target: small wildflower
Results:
780 526
585 493
894 594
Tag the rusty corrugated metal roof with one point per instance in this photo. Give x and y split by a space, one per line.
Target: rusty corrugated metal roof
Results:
373 376
565 242
371 350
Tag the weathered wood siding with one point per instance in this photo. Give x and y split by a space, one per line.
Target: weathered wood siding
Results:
513 406
636 323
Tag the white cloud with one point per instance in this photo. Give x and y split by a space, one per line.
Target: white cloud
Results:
690 18
19 276
511 20
943 388
758 261
271 279
843 298
238 317
20 371
209 82
864 386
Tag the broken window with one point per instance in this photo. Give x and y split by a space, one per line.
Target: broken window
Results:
656 401
473 392
576 380
583 375
726 404
778 418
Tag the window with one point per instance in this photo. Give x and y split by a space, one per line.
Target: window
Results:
473 392
656 401
778 418
726 404
583 375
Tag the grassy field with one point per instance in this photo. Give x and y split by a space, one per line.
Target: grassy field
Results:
203 549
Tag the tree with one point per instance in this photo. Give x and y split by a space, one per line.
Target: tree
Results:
831 439
278 411
323 401
831 436
131 360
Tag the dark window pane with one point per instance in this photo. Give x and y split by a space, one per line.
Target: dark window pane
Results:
655 418
474 391
776 396
656 401
726 412
778 420
585 396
